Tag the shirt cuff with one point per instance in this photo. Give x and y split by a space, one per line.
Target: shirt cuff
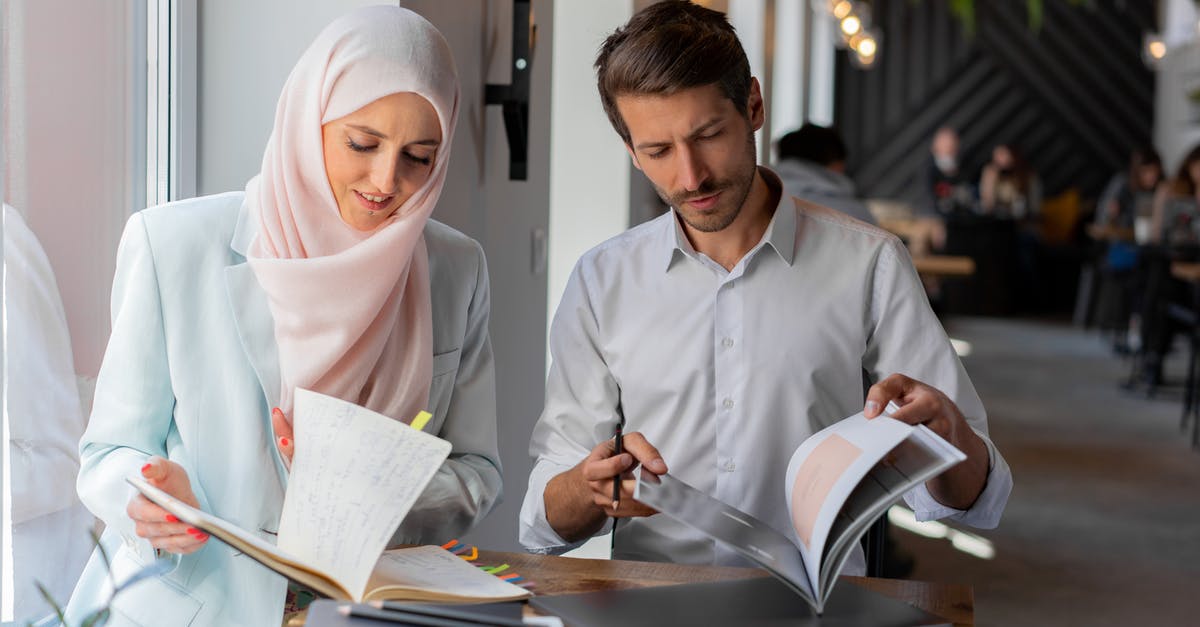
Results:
536 534
985 512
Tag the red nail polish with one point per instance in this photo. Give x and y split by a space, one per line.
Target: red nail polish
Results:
283 441
172 519
194 532
145 468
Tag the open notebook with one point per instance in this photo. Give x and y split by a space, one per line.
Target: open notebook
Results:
354 477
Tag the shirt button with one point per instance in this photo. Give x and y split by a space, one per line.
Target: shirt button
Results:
728 404
730 466
727 342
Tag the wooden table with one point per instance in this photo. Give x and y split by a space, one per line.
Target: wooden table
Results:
568 575
1186 271
1110 233
944 266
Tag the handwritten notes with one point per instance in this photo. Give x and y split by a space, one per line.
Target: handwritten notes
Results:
355 475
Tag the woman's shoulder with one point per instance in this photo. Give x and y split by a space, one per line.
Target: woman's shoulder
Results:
451 249
201 217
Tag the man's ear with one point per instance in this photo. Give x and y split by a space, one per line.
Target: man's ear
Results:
755 110
632 155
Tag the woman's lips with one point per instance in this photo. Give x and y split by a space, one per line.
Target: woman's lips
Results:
372 205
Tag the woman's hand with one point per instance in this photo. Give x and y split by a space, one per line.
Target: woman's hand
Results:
284 440
154 523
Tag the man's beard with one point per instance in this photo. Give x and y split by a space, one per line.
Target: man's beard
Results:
734 191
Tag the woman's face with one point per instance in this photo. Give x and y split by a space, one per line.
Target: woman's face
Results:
378 156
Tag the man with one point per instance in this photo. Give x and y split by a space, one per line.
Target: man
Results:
812 166
943 187
727 331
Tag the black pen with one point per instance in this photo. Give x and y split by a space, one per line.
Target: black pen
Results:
463 613
411 618
618 442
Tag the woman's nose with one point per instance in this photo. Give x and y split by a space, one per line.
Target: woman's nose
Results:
385 173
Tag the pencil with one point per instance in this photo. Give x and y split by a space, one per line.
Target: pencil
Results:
618 441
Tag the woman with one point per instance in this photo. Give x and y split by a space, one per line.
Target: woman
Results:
325 274
1176 204
1176 228
1008 187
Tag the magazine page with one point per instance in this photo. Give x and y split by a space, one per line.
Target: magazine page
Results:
749 536
825 470
918 458
355 475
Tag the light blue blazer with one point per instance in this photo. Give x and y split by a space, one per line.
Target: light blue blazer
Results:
191 372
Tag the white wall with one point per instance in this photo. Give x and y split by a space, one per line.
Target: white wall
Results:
245 51
69 147
787 107
590 170
1176 117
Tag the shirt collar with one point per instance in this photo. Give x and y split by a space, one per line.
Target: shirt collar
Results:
780 234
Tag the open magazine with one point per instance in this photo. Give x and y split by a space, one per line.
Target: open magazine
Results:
354 477
838 482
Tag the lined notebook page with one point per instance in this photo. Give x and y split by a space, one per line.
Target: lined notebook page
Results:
355 475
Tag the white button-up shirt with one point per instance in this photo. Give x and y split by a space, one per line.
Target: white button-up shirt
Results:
727 372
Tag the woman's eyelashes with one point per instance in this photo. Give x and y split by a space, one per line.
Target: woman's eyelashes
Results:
414 158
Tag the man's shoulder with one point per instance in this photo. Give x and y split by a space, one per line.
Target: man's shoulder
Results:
825 221
630 247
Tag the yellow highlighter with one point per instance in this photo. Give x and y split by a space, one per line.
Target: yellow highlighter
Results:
421 419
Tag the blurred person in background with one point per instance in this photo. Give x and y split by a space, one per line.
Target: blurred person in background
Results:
1175 229
942 187
1127 200
812 166
1008 187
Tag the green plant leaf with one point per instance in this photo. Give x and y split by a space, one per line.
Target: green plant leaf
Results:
50 599
1037 13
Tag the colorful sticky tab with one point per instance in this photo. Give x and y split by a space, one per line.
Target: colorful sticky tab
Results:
421 419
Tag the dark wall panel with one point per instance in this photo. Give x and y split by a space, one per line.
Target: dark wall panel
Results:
1074 97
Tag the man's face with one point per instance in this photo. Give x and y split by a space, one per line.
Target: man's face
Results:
697 149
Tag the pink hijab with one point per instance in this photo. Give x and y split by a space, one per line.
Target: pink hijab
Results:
351 308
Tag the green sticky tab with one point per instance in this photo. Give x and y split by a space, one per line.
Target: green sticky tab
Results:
421 420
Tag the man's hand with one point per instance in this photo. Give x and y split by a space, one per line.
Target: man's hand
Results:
579 500
152 522
284 440
919 403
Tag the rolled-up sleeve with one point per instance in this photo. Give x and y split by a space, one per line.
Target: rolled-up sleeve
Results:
906 337
582 408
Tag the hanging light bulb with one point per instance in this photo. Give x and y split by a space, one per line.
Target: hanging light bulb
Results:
841 8
1154 49
851 25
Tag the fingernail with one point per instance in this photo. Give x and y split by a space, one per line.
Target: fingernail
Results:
145 468
871 407
658 465
276 410
172 519
616 505
283 441
195 532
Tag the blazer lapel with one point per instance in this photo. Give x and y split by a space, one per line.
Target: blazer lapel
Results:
252 314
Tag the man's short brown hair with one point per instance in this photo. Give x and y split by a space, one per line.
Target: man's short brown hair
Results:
667 47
